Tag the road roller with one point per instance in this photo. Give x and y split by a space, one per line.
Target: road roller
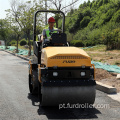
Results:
59 73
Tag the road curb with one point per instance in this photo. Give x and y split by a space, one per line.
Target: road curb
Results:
99 86
105 88
24 58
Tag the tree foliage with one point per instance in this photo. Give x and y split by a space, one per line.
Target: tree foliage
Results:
21 16
112 39
93 19
5 31
95 22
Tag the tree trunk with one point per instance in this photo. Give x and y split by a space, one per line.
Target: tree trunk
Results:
56 23
29 53
17 44
5 43
29 48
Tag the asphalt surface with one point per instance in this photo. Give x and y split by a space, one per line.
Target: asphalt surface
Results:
17 104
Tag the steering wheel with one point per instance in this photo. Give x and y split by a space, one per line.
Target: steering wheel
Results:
58 30
46 42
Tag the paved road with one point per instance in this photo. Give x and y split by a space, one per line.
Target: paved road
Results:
17 104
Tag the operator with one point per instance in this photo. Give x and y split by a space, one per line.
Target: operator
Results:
50 29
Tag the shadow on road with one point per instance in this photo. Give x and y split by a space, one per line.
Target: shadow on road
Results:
34 99
56 113
71 113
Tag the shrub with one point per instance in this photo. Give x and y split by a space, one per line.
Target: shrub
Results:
13 42
23 42
8 44
77 43
112 39
89 43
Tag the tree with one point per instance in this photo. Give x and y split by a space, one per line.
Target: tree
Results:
85 22
105 1
58 5
4 30
14 26
23 14
18 34
112 39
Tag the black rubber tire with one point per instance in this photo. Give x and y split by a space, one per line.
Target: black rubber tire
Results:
39 93
30 84
33 90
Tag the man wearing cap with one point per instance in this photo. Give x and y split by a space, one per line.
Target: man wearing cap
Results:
50 29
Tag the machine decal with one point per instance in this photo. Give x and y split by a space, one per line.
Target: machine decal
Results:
69 61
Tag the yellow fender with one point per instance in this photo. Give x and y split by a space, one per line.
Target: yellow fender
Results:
39 73
30 68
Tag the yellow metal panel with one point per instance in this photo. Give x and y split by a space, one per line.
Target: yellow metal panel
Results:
68 63
65 57
51 51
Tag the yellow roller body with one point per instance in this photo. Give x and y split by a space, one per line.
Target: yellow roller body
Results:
65 57
69 87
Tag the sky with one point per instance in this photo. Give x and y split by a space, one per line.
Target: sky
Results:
5 4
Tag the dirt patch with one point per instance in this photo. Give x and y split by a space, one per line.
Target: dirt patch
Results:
110 57
108 78
102 74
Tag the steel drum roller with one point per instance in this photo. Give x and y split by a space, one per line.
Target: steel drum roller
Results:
53 96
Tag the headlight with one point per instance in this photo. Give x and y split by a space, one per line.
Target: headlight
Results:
55 74
82 74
